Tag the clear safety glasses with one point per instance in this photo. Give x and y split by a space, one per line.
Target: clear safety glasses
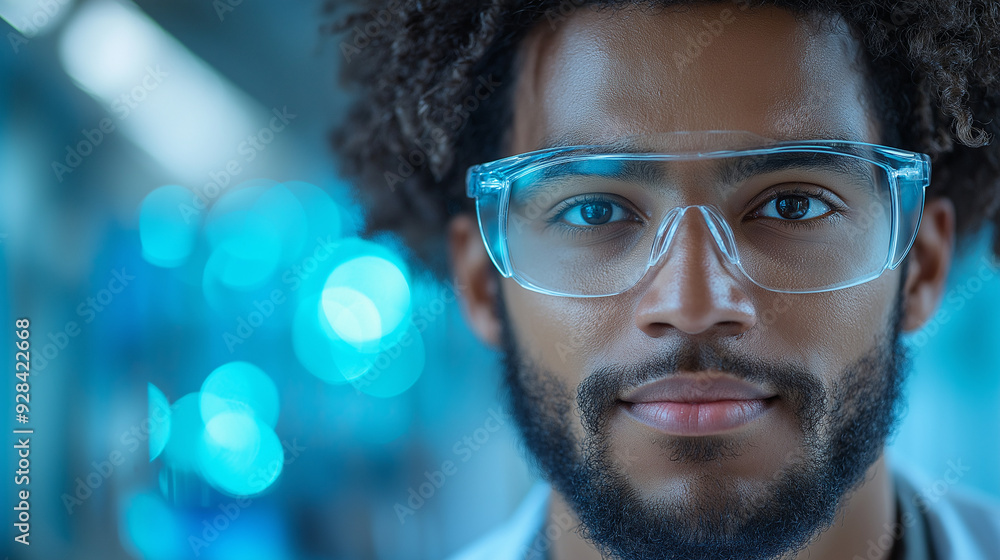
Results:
792 216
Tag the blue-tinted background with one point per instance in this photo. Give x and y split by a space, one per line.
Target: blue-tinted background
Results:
206 324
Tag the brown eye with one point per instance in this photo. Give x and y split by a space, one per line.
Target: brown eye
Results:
794 207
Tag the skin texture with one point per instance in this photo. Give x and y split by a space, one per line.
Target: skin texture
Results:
603 75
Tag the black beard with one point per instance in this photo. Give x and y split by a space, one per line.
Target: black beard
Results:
799 502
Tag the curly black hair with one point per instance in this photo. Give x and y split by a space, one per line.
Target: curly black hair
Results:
433 81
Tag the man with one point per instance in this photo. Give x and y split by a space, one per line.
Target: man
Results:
700 263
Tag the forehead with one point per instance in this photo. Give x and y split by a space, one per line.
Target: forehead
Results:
600 75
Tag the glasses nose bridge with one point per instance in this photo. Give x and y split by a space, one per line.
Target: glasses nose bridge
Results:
717 226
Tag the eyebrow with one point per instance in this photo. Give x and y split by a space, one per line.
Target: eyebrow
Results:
731 170
628 170
736 170
622 146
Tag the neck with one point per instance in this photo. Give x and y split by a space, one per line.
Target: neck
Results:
863 517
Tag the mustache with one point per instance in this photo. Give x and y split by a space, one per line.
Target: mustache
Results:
600 392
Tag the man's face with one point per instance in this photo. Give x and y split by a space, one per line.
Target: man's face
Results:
827 363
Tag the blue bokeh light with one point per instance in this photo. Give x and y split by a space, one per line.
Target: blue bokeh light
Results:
239 387
280 208
148 528
186 428
239 455
249 256
246 246
167 234
323 214
396 368
220 220
318 350
351 315
366 298
159 421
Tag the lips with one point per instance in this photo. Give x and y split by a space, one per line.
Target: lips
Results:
698 404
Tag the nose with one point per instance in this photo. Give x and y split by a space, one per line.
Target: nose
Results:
690 287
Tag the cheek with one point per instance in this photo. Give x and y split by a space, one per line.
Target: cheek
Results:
825 332
563 335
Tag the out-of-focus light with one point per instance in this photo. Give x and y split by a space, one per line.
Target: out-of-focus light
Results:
327 357
159 421
98 63
363 318
167 234
148 528
236 432
396 368
31 18
248 231
169 102
247 259
279 207
353 316
323 214
239 455
370 281
225 217
239 387
186 428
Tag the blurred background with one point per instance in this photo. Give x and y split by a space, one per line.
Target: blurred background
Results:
222 368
